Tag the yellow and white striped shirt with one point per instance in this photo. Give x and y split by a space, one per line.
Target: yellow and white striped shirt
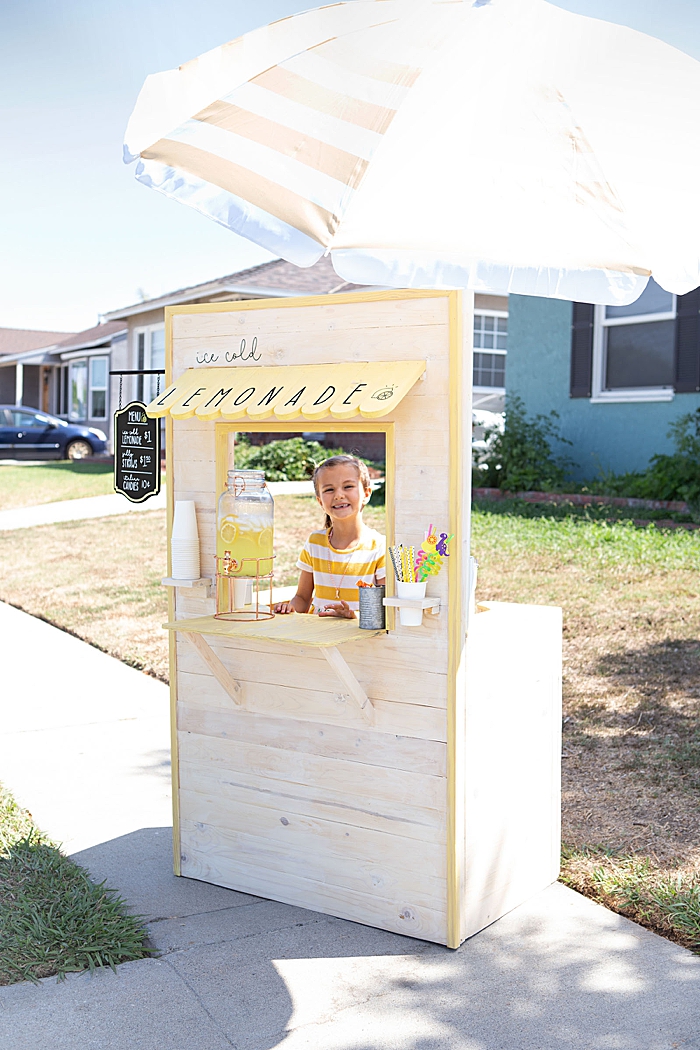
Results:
333 569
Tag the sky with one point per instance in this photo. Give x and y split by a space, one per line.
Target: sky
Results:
78 235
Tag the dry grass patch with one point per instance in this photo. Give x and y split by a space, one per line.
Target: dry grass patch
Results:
99 579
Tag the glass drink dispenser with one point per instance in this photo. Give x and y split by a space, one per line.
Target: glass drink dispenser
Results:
244 525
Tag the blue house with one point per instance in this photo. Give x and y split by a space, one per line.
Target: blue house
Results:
617 375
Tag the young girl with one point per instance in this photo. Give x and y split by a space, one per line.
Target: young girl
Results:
332 562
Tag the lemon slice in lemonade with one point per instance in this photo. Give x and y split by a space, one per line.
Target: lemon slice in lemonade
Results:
265 540
229 530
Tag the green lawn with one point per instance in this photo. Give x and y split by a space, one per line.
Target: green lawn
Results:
28 485
53 918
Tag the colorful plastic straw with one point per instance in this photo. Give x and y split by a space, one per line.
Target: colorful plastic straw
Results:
395 561
433 551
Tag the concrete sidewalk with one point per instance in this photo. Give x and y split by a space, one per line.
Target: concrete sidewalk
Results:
84 739
75 510
107 506
84 745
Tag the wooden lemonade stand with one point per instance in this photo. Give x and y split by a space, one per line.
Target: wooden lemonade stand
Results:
408 778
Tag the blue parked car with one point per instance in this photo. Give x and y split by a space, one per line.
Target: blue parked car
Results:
26 433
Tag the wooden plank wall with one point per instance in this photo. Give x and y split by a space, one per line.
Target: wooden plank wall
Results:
292 797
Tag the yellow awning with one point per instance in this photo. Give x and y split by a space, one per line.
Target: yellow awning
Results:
347 390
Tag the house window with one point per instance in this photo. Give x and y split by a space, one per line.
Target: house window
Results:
490 336
98 388
633 348
150 353
77 389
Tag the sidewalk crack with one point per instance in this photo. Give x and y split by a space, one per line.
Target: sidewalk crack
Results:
198 998
234 940
211 911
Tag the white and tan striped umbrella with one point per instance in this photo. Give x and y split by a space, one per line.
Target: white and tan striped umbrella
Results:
503 145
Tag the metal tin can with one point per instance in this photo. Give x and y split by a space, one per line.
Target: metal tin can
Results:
372 617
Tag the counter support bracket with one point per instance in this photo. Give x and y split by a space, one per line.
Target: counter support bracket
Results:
339 665
223 677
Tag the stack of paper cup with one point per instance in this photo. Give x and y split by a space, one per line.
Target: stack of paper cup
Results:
184 543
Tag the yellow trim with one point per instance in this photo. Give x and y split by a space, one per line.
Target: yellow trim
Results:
455 620
172 641
223 430
305 301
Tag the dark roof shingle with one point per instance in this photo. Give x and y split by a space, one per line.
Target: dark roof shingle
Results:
270 278
101 333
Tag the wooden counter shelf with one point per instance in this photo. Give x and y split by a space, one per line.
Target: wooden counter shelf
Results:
325 633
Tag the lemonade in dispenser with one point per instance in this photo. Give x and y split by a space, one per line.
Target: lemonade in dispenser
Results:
244 525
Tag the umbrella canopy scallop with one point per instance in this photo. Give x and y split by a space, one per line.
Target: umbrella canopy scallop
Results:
501 145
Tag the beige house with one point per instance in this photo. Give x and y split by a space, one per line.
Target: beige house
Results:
63 374
26 366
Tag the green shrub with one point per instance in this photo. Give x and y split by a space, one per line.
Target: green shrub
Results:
521 458
293 459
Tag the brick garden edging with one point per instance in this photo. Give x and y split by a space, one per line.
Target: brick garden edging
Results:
581 499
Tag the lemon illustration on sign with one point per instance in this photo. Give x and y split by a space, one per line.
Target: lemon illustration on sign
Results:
229 530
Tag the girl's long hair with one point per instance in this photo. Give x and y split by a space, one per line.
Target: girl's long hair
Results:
337 461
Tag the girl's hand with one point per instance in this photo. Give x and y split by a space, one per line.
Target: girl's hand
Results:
340 608
283 607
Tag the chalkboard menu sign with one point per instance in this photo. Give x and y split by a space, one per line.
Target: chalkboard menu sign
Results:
136 453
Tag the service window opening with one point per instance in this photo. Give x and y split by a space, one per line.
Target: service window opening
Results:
298 514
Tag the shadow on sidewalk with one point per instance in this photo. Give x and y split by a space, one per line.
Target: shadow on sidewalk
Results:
559 973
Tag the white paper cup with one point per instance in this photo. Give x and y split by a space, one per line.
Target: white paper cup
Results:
185 565
410 617
242 592
185 521
184 542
